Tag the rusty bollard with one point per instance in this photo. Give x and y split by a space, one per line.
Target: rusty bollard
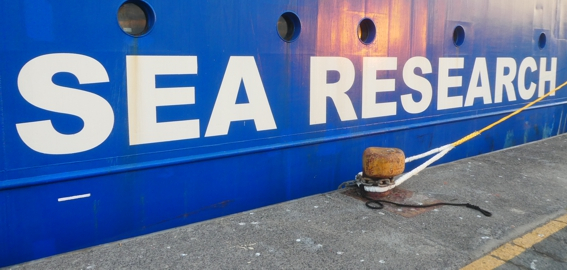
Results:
380 166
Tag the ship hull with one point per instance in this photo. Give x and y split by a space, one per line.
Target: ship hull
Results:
212 110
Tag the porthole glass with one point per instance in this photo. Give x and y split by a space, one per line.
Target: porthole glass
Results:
289 26
542 41
135 18
458 36
366 31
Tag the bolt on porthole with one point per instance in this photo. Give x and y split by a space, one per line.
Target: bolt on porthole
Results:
366 31
135 18
289 26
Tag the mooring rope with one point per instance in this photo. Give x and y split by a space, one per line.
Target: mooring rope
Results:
443 150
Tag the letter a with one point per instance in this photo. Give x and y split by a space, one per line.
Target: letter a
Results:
240 69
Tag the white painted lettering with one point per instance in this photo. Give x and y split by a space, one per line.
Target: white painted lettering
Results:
36 86
417 83
526 93
479 72
444 101
504 81
320 89
144 98
371 86
547 75
241 69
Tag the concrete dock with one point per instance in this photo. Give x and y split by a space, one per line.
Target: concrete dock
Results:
524 187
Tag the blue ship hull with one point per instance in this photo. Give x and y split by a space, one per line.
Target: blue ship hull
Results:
111 130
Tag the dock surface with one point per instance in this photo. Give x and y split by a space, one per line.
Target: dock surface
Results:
524 187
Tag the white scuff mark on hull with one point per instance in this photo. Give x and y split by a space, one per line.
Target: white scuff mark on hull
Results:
82 196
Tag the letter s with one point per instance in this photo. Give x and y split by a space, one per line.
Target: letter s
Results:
36 86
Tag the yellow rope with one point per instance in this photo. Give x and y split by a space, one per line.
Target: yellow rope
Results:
476 133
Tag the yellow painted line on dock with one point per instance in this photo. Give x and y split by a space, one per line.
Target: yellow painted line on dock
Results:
510 250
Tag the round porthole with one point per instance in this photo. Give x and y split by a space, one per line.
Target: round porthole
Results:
366 31
135 18
458 36
542 41
289 27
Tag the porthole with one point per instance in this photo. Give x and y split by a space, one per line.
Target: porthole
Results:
289 27
542 41
458 36
135 18
366 31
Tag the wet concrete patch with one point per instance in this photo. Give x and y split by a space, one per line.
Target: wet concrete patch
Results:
400 196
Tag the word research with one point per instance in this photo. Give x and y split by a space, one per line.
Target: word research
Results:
143 97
